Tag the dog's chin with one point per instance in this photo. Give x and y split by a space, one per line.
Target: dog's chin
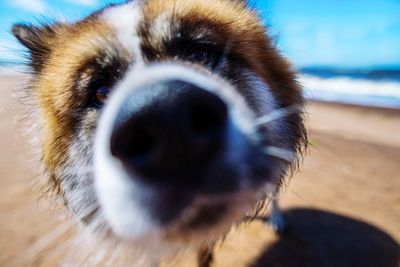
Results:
208 222
204 220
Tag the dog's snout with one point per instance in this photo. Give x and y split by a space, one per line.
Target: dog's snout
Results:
169 131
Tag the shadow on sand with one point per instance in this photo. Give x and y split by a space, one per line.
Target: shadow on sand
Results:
317 238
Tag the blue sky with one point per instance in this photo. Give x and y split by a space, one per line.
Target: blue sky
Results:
344 33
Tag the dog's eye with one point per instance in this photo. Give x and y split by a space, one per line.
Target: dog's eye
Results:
203 56
200 56
100 96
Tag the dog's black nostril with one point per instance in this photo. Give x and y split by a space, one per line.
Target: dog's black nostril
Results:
208 115
133 141
142 145
168 132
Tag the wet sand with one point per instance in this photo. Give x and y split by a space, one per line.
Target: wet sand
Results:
343 208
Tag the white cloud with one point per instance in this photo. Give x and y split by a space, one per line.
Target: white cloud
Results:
36 6
83 2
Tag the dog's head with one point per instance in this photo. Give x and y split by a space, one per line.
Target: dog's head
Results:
163 118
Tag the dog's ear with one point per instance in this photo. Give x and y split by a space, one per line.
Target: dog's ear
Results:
37 39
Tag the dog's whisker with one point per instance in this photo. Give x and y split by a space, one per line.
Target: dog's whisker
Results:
276 115
281 153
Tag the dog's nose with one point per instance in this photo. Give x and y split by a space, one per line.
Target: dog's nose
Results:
169 132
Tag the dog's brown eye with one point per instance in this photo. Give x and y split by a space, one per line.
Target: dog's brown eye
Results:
101 96
201 56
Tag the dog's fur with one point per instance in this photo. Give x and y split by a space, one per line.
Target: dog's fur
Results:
129 46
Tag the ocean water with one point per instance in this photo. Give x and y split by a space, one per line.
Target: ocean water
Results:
380 88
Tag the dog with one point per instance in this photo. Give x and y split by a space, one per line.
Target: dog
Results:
162 123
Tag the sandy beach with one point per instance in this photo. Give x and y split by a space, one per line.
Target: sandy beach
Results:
343 208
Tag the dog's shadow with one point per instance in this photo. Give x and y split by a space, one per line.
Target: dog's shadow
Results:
317 238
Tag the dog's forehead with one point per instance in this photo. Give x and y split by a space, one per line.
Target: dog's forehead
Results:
125 20
158 19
